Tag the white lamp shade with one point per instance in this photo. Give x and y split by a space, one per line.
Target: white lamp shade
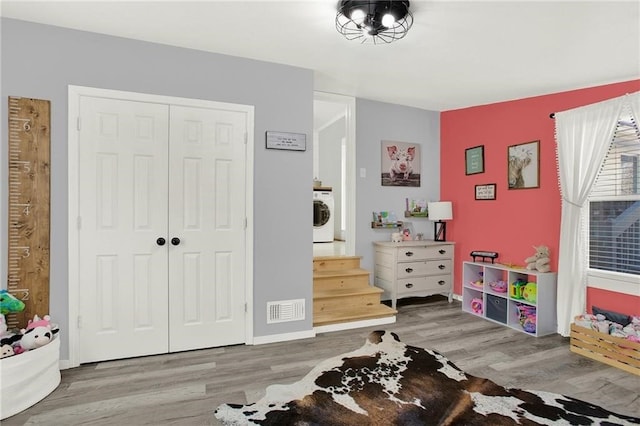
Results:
440 210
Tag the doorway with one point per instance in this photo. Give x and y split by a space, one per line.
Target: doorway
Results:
334 164
159 257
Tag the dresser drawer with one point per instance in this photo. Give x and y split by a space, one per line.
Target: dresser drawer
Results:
417 253
436 283
428 267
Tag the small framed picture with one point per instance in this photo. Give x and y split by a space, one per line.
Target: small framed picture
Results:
524 165
486 191
474 160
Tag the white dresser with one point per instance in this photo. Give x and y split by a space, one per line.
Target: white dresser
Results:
414 268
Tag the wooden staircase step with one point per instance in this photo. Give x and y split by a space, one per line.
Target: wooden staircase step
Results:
353 314
346 299
346 292
347 278
327 263
352 272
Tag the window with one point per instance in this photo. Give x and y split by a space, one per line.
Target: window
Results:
614 206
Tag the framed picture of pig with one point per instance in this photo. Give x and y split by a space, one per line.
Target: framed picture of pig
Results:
524 165
400 164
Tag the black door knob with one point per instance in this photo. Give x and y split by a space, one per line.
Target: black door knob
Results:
175 241
161 241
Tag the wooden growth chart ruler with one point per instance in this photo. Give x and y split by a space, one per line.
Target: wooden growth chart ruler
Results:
29 208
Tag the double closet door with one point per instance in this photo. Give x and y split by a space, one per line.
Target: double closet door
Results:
161 228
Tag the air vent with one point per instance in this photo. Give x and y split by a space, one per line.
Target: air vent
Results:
285 310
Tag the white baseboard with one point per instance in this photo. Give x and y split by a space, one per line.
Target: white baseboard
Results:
354 324
457 297
273 338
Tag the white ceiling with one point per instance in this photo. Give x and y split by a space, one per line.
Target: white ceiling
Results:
457 54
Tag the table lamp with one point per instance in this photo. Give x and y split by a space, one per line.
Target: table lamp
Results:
440 211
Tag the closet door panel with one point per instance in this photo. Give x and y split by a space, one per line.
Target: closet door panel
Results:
207 214
123 210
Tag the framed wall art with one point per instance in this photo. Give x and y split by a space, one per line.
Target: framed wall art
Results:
474 160
486 191
400 164
524 165
286 140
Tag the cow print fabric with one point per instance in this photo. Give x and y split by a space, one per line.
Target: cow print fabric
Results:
386 382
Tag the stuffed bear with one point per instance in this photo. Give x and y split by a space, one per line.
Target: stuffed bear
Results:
540 260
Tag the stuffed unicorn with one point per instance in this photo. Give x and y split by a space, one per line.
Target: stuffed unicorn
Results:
9 303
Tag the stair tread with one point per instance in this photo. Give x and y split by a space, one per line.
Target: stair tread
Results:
340 273
340 292
355 314
325 258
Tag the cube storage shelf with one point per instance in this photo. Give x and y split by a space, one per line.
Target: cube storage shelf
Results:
482 300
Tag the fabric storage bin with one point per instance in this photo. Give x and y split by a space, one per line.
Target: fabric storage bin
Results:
29 377
496 308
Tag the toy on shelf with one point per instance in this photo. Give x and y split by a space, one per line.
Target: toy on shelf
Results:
527 317
529 292
499 286
540 260
476 305
484 255
479 283
516 288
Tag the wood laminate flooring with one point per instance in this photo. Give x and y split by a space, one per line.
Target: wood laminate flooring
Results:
184 388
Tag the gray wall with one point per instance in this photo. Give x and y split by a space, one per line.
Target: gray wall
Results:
330 173
375 122
40 61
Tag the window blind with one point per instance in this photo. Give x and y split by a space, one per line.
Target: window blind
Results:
614 204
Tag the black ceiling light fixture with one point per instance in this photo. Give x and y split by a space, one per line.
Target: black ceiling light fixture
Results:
379 21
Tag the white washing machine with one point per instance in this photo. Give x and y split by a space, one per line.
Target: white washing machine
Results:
323 220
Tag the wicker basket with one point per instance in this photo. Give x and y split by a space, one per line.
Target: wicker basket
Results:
610 350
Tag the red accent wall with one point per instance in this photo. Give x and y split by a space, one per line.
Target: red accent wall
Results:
517 219
612 301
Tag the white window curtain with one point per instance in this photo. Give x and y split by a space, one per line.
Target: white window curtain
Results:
583 138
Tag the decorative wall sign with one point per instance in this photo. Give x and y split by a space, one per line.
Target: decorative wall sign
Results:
474 160
287 141
400 164
524 165
29 207
486 191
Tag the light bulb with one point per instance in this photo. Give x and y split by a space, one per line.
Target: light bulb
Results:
357 16
388 20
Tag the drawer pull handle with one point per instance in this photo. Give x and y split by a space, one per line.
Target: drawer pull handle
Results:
441 282
408 253
408 285
409 270
441 266
442 251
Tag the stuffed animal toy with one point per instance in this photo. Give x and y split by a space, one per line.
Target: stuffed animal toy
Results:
36 337
3 326
6 351
396 237
41 322
540 260
9 303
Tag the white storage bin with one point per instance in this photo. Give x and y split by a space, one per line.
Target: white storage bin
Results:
27 378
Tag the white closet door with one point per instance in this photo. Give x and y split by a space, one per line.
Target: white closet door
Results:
123 211
207 214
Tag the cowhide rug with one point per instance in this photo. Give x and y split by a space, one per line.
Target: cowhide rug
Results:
386 382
